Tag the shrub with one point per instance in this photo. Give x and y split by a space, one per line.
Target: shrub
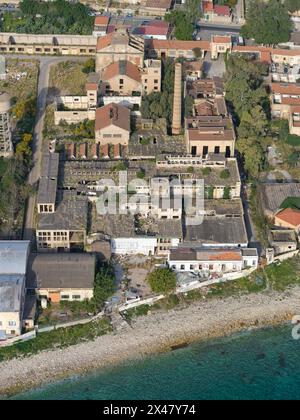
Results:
162 280
225 174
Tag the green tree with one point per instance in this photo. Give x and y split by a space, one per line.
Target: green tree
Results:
104 286
162 280
292 5
293 159
267 22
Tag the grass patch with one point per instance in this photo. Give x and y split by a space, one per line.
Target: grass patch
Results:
137 311
67 78
60 338
293 140
291 202
284 274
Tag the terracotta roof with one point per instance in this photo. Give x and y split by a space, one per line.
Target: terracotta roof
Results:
221 39
91 86
261 49
158 24
265 56
226 256
158 44
295 109
112 114
207 6
290 216
159 4
101 20
286 88
122 68
290 101
94 151
222 10
104 42
151 30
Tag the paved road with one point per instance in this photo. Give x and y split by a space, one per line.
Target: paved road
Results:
38 147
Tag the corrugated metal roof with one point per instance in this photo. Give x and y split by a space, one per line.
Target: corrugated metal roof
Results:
13 257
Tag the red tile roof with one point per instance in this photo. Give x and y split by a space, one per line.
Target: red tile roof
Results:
222 10
207 6
122 68
112 114
104 42
286 88
290 216
158 44
226 256
151 30
91 86
101 20
222 39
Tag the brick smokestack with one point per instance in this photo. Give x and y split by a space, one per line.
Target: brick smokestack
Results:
177 105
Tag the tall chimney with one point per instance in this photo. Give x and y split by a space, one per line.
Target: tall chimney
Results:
176 125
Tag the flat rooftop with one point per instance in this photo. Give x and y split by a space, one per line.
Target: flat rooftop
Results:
212 178
218 231
11 287
13 257
48 181
224 207
71 213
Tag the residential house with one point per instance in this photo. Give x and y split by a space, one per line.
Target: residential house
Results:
288 218
100 26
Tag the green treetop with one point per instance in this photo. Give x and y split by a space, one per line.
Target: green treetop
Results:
267 22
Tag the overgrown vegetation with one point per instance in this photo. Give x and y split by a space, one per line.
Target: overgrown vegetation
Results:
162 280
57 339
267 22
184 20
160 104
56 17
21 85
250 104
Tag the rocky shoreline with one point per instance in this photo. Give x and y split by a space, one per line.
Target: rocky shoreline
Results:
155 333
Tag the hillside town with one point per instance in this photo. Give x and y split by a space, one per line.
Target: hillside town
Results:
162 160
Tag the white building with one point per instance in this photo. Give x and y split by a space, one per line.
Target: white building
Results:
212 260
13 264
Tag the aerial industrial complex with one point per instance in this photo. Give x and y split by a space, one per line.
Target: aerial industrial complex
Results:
123 191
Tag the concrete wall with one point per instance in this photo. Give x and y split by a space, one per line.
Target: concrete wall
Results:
112 135
125 88
123 246
73 116
84 293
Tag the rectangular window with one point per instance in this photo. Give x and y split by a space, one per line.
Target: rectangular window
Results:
77 297
12 323
65 297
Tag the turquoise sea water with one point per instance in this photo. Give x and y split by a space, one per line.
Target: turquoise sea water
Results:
263 364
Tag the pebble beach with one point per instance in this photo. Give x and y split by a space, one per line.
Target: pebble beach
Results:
157 332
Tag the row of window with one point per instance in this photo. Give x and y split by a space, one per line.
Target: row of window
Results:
67 297
10 324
